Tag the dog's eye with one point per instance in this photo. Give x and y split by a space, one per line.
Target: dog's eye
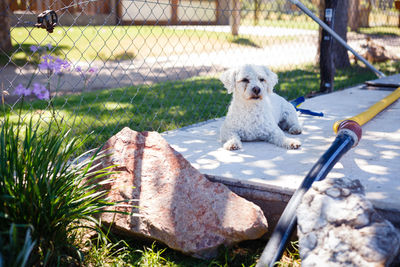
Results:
245 80
262 80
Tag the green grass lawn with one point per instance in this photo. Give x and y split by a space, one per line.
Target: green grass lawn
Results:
113 42
163 106
392 31
88 43
132 252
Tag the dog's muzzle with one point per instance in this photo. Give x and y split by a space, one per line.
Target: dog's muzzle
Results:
256 92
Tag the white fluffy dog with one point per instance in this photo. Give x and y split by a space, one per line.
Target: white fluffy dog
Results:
256 112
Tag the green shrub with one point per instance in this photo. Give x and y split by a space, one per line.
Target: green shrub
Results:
41 187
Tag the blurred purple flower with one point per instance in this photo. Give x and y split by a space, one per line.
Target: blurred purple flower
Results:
46 63
79 69
40 91
49 46
92 70
21 90
89 71
57 65
34 48
87 74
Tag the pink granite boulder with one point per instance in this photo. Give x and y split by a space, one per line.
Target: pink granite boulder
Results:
177 205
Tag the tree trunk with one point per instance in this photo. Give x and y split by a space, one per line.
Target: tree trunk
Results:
5 38
365 11
354 14
338 52
340 55
326 63
256 11
235 17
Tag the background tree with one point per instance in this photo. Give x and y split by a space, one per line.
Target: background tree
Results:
354 14
340 54
235 17
5 38
256 11
359 11
340 26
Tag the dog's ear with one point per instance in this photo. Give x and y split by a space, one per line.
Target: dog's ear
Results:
228 78
272 79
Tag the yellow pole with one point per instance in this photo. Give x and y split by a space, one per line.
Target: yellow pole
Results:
372 111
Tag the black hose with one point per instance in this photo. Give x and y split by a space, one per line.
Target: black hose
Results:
285 226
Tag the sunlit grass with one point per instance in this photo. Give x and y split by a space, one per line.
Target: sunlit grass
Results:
381 30
291 257
136 252
108 43
165 106
133 252
161 107
88 43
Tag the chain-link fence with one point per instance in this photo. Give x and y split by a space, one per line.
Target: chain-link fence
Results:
154 65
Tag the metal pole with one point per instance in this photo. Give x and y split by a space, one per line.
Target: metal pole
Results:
337 37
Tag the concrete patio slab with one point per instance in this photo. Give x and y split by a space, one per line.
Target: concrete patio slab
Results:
388 81
262 166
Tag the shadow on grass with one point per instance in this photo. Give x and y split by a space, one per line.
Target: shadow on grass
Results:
243 41
117 57
21 54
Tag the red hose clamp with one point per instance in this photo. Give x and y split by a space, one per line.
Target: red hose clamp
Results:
352 128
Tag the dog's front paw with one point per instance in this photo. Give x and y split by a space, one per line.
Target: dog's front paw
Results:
295 129
291 143
232 145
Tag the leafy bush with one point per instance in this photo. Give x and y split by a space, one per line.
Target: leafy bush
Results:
41 187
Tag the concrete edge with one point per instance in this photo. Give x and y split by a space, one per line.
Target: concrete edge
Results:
272 199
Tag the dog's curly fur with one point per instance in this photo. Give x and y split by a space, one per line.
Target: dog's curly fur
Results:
256 113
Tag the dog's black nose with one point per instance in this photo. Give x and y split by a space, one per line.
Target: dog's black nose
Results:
256 90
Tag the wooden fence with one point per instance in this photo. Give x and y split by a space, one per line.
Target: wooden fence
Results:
158 12
71 6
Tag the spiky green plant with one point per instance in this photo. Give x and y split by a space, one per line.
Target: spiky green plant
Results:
14 248
40 186
106 253
152 257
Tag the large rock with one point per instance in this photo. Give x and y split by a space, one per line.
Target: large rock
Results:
338 226
177 205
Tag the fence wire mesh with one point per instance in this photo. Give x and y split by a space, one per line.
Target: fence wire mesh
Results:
154 65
